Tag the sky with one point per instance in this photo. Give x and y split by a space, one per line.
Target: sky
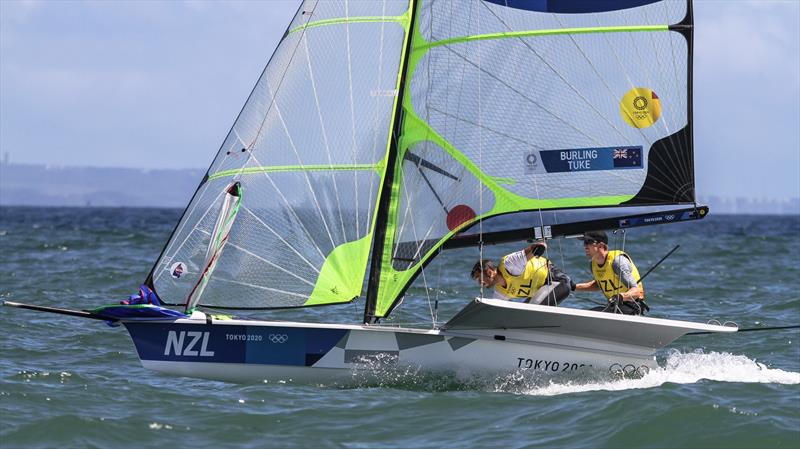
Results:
157 84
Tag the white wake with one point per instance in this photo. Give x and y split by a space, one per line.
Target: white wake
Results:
681 368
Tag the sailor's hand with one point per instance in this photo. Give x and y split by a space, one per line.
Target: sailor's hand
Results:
537 248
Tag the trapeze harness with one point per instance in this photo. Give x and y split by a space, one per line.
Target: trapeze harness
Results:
524 285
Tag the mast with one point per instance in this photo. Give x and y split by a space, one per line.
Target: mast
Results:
382 215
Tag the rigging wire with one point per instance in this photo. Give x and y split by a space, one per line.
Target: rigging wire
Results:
438 290
428 295
749 329
417 254
480 159
618 275
548 281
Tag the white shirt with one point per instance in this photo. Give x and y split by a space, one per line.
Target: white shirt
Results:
515 263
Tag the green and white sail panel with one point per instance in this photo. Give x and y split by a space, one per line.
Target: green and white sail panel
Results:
515 106
308 150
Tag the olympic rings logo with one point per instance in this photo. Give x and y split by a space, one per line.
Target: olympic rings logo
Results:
278 338
629 370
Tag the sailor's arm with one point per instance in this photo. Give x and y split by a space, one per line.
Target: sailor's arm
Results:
633 294
587 286
535 249
622 268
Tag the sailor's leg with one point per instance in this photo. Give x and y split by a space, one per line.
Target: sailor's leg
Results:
631 308
550 295
613 306
561 291
541 295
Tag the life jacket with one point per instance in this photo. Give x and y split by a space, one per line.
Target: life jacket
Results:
608 281
526 284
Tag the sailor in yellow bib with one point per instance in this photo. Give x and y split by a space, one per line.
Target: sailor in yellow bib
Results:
615 275
524 274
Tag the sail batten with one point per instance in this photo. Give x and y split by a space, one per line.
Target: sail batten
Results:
550 32
292 168
349 20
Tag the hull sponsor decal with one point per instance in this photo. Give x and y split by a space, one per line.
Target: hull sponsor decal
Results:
548 365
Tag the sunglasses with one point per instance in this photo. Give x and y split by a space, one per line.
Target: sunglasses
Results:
589 242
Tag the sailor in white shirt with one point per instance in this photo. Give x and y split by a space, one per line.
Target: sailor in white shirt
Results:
524 274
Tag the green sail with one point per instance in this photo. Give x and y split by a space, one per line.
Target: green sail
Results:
486 112
309 148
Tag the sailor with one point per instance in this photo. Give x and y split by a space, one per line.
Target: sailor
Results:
524 274
615 275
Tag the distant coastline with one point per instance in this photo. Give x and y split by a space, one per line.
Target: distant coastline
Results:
41 185
55 186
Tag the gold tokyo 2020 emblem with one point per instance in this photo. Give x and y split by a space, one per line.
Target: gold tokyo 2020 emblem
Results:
640 107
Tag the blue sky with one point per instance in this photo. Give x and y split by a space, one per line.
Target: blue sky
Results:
155 84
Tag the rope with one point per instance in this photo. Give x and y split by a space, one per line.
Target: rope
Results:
438 289
480 164
750 329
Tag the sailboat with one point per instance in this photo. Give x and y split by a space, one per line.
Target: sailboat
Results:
383 133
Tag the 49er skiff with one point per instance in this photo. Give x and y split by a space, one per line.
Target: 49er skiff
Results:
378 134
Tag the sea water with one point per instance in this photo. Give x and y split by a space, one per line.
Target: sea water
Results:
69 382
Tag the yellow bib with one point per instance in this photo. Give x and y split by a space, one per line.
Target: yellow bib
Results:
524 285
608 281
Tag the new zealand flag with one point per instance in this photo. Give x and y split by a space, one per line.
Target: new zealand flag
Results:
627 157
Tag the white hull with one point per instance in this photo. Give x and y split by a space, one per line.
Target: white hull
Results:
479 357
535 338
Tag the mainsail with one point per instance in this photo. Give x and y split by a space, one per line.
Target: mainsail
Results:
516 106
382 129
